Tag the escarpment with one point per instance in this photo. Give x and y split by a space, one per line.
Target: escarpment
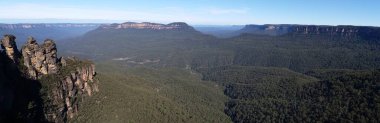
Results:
60 83
363 32
147 25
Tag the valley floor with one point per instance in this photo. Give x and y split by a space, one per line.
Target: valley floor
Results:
153 95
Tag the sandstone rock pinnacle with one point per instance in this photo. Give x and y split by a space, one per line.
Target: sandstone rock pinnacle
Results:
74 79
8 43
40 60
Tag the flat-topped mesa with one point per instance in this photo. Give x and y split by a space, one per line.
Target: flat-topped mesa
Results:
8 43
40 59
180 25
147 25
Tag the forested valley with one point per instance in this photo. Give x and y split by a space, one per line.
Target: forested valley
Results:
293 77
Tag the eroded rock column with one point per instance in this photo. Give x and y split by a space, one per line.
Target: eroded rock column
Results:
40 59
8 43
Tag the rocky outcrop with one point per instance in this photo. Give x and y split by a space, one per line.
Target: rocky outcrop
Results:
147 25
59 83
70 91
8 43
40 60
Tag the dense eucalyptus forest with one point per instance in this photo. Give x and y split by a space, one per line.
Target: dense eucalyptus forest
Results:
292 77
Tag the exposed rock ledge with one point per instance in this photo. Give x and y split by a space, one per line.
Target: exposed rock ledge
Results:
70 91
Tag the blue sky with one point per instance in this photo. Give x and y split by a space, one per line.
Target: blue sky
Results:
196 12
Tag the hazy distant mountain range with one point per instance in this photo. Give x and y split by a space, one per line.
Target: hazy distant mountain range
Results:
56 31
60 31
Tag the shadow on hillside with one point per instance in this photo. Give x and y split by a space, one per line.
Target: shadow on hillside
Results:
20 98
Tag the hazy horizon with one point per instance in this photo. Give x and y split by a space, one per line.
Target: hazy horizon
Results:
197 12
84 21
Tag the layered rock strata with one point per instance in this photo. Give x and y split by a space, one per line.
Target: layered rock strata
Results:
365 32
